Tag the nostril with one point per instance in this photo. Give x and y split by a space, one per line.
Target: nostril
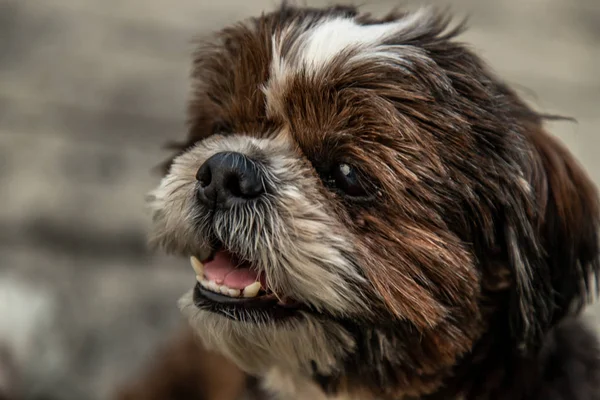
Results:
232 185
204 176
245 186
251 184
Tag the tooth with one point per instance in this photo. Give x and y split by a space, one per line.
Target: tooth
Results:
204 283
252 290
224 289
234 292
212 286
197 265
199 279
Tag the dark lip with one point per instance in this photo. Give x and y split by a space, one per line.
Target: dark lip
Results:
266 306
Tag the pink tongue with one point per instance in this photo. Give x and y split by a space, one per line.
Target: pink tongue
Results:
225 270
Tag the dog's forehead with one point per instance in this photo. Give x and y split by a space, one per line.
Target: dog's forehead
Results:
313 51
286 71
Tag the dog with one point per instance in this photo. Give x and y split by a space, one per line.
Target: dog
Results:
371 213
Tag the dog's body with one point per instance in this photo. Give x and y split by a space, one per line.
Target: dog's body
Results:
379 216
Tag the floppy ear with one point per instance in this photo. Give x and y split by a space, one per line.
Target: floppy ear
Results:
555 270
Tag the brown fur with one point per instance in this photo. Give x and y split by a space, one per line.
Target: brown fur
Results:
482 233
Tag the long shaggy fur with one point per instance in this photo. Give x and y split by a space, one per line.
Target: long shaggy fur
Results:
454 278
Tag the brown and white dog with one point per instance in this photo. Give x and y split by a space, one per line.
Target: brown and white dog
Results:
373 214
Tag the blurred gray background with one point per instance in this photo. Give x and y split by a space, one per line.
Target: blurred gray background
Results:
90 90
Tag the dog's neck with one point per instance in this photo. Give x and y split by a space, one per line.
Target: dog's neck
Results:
493 370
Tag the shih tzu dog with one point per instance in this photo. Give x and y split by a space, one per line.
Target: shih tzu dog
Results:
372 214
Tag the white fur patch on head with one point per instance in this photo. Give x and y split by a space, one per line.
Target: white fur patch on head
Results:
323 43
313 51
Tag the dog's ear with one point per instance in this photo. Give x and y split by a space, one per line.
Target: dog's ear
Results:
556 269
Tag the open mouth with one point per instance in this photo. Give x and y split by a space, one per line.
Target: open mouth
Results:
232 287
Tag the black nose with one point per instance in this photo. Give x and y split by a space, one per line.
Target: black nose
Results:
228 178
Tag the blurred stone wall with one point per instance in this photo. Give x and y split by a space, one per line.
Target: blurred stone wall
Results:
89 90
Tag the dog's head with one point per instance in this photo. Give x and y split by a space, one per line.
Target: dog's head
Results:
388 193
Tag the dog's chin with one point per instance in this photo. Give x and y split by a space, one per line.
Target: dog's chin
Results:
298 342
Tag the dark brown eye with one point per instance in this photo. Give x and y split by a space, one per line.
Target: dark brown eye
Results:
346 178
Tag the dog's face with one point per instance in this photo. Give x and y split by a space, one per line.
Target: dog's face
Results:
362 196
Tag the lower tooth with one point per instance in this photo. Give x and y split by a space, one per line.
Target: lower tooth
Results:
213 286
234 292
204 284
224 290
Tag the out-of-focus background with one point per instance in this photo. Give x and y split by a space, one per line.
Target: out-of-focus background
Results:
90 90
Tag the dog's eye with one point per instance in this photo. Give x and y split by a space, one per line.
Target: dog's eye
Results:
345 178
